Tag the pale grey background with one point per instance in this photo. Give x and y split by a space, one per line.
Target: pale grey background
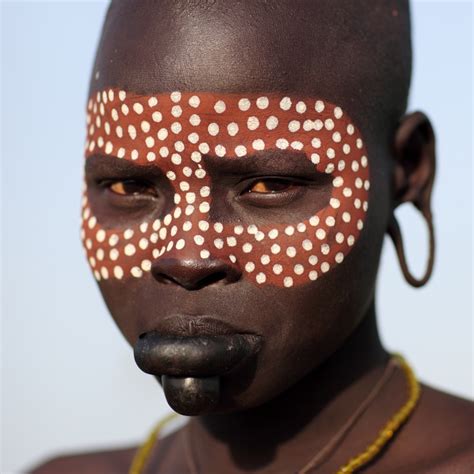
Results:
68 378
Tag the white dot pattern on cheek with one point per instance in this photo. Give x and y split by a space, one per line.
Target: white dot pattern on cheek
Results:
173 131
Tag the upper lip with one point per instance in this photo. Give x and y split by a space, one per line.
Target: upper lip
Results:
192 325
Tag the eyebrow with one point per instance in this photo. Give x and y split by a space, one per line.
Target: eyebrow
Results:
98 165
271 161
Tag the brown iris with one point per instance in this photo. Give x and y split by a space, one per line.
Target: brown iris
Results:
130 187
269 186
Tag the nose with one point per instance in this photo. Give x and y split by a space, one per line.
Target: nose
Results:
194 274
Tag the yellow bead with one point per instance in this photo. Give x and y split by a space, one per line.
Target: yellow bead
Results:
392 425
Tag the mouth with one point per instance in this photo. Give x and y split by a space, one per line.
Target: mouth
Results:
191 354
184 325
194 346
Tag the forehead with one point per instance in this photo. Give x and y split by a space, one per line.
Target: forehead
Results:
320 49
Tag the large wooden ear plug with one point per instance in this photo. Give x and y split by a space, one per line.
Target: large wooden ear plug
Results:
191 396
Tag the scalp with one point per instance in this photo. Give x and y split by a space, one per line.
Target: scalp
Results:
356 53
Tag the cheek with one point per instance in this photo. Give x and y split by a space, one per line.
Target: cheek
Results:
178 134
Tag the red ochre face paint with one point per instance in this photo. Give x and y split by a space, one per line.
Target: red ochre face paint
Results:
175 131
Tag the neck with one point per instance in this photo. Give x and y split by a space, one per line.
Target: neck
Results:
299 421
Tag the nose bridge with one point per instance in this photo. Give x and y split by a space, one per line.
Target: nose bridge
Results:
189 222
189 255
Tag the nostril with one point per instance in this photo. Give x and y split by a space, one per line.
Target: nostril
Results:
165 279
194 274
213 278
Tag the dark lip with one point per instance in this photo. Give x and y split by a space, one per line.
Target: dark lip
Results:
193 325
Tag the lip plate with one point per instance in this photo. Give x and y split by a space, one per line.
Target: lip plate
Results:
194 356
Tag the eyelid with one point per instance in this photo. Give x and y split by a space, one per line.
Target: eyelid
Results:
297 180
296 188
107 181
106 184
272 200
281 177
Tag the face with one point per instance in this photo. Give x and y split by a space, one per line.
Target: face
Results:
252 207
272 189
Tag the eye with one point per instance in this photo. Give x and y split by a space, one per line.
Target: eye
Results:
273 191
269 186
131 187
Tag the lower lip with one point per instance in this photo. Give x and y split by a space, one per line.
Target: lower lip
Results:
194 356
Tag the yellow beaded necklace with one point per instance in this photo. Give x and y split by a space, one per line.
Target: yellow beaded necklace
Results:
354 464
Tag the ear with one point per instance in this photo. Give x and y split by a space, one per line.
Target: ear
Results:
415 162
413 178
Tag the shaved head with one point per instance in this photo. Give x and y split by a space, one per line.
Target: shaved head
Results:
356 53
239 166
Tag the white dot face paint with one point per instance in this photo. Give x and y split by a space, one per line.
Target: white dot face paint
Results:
174 131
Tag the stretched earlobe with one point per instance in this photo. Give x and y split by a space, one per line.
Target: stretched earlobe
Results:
395 234
413 178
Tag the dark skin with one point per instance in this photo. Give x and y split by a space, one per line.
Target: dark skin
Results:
275 415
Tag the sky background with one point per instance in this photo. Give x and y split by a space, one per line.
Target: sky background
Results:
69 381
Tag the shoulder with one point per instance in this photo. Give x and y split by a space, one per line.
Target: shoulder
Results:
112 461
447 421
116 461
446 407
438 438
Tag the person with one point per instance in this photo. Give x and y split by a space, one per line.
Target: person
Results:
243 164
